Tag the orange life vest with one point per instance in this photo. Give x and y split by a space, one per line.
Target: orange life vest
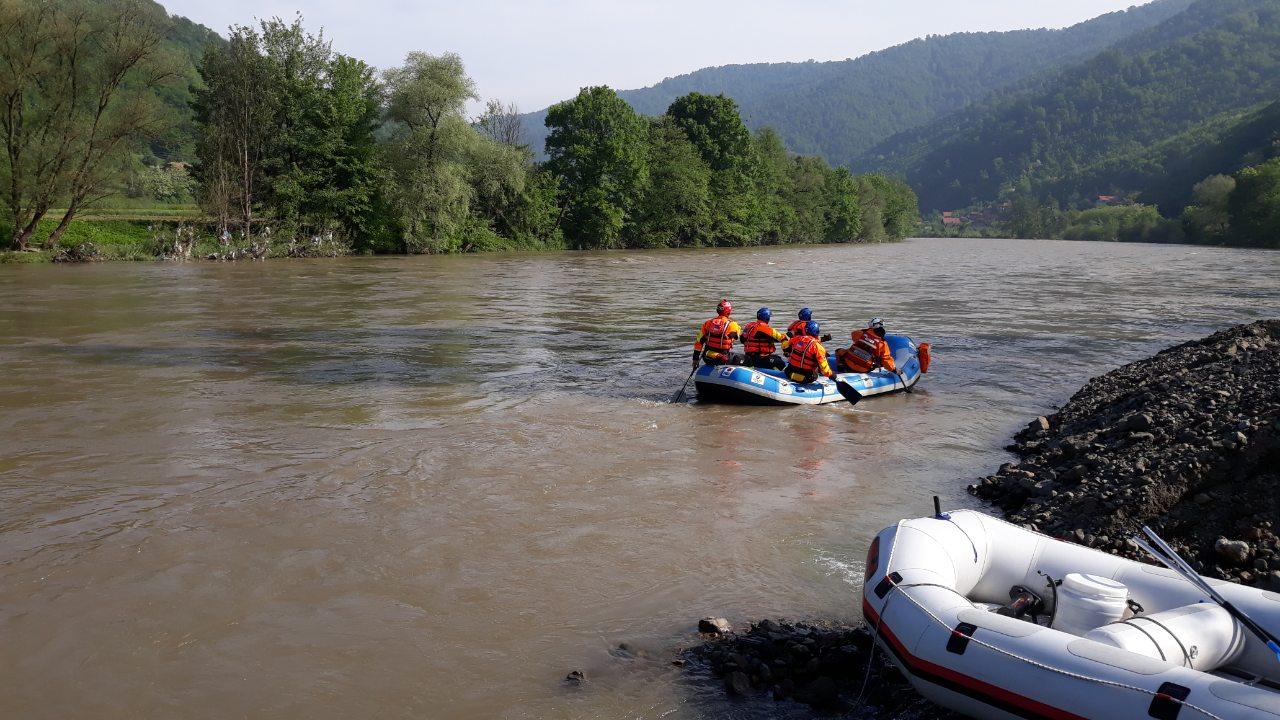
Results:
923 350
864 353
751 338
805 355
716 331
796 329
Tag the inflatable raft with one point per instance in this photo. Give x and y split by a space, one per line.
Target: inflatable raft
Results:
733 383
1107 637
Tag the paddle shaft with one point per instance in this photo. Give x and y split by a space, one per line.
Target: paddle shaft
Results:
680 393
1174 562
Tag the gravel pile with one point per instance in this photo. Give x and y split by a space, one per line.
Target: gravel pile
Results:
1187 441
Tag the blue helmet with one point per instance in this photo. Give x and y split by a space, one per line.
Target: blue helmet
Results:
763 314
806 314
812 328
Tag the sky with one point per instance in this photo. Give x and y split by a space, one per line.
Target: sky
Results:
537 52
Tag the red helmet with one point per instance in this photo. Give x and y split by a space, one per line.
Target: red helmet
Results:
725 307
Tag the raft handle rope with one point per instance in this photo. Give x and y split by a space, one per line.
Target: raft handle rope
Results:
1173 561
1035 663
939 515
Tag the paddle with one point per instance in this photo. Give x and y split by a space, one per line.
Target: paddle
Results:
848 392
680 393
1170 559
905 386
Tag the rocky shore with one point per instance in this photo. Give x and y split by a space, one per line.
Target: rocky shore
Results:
829 667
1187 442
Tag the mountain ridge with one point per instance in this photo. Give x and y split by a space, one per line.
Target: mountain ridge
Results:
838 109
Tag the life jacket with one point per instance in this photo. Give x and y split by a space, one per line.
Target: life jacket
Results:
796 329
754 346
716 330
923 352
805 354
864 353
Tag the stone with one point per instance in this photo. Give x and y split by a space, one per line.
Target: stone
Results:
1039 424
575 677
715 626
1235 552
737 683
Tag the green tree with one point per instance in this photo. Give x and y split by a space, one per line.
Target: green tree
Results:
234 115
596 147
674 209
75 103
429 185
714 126
1255 205
1209 217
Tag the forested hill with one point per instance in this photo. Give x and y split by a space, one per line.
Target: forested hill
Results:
840 109
185 42
1057 133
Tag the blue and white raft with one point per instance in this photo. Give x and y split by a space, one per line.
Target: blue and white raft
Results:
736 384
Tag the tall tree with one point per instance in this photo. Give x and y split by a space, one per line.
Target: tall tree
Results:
1255 205
675 207
596 147
715 128
75 99
234 117
501 123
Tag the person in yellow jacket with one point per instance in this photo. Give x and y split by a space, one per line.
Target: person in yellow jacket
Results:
714 345
807 358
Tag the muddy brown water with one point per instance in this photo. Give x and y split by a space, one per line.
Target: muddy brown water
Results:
430 487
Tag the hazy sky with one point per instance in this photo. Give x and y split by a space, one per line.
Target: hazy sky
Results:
536 52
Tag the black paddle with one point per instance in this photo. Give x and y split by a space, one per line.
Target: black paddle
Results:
848 392
905 386
680 393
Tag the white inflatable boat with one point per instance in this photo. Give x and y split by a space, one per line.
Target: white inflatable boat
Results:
995 621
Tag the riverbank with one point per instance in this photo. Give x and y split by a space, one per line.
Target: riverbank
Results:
157 240
1186 441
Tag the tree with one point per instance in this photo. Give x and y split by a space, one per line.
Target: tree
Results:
75 100
1209 218
716 129
501 123
1255 205
596 148
235 114
674 209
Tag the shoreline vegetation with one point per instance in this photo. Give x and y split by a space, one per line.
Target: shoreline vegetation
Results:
1149 443
294 150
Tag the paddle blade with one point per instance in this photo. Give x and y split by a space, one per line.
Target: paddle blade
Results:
848 392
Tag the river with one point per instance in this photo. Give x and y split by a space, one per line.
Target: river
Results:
430 487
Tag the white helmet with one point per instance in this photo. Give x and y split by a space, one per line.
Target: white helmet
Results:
876 323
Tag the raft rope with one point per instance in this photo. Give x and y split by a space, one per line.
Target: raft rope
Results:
1111 683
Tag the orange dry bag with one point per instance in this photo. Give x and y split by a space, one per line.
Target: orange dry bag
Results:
923 352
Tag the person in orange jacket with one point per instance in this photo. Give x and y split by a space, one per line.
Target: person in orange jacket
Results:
807 358
868 351
759 341
714 345
796 329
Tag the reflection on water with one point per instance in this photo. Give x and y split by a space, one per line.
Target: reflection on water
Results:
429 487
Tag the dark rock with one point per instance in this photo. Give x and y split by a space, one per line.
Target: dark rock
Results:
738 683
575 677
